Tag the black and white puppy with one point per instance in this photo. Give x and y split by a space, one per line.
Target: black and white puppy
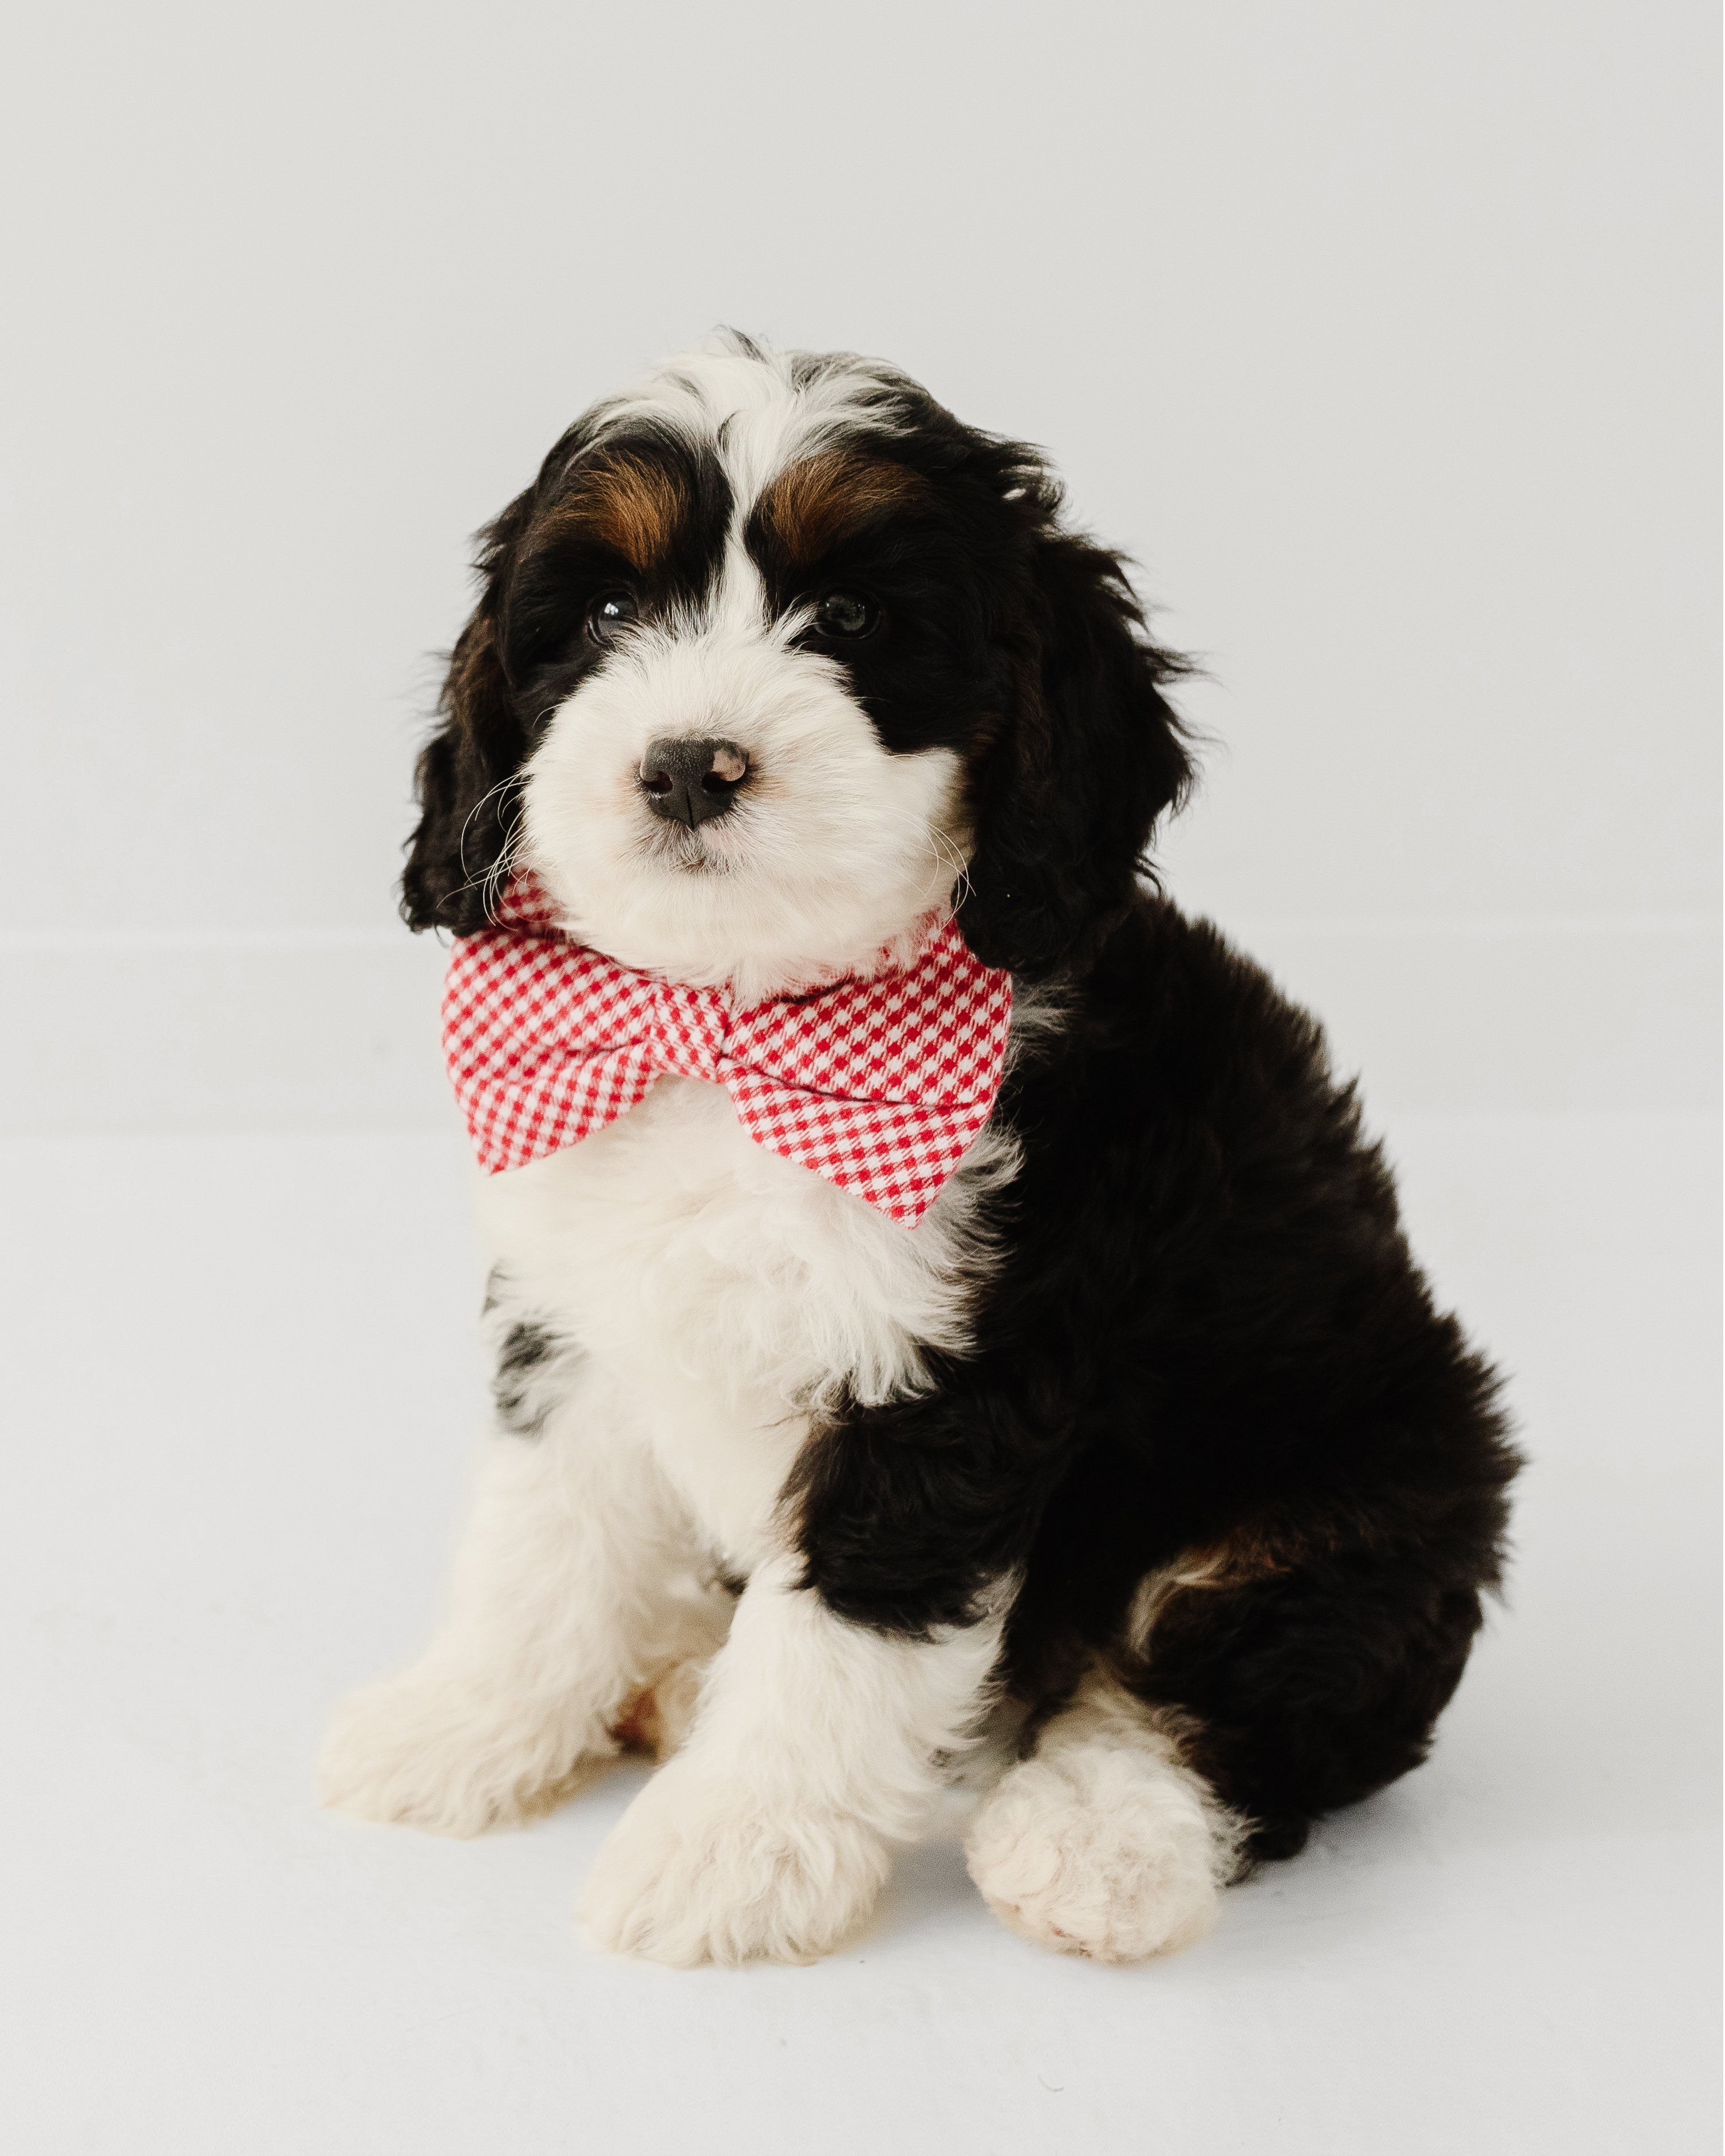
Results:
1148 1433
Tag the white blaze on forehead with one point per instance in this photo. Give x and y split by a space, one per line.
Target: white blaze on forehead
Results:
739 599
734 605
752 411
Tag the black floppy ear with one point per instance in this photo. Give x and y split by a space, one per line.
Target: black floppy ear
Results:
467 807
1090 756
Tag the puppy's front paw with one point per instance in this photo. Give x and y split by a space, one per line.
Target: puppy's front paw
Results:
698 1870
1098 1860
439 1750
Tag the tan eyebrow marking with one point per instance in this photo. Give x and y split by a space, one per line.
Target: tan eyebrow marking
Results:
811 506
633 507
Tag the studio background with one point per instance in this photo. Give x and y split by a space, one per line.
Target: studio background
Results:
1385 340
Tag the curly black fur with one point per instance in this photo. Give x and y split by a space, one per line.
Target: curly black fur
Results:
1208 1354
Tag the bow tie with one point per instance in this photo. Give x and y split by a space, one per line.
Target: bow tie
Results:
879 1086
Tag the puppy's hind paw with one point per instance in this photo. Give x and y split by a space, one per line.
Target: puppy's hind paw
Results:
1103 1861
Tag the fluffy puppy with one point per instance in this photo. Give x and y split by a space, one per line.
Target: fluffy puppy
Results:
1148 1429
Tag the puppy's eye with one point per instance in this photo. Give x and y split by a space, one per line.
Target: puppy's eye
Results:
846 614
609 613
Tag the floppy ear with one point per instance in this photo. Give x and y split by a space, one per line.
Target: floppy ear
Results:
1090 757
467 809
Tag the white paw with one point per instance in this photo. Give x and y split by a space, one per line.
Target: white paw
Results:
1096 1853
444 1751
696 1870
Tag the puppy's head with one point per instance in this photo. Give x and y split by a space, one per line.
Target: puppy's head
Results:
775 662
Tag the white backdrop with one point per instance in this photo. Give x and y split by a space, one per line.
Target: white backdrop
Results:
1383 333
1382 336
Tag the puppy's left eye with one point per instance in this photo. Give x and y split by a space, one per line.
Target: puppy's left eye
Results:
609 614
846 614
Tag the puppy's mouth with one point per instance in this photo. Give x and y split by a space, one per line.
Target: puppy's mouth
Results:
673 846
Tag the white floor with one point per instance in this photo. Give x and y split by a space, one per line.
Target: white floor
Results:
238 1402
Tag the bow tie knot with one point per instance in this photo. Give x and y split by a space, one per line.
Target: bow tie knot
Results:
689 1028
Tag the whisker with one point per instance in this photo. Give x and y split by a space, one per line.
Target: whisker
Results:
490 885
947 854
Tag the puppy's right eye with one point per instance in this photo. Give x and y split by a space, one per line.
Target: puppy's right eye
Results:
609 614
846 614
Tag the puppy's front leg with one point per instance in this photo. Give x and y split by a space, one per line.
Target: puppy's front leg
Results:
766 1838
574 1586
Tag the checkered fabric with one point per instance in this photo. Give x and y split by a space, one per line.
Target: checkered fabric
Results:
879 1086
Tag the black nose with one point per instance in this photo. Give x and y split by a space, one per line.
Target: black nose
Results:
686 782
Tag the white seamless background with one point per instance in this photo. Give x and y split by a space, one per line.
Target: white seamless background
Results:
1385 338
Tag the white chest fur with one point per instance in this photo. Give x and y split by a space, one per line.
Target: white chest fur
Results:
726 1295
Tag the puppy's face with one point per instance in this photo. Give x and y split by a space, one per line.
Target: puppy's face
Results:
759 673
763 655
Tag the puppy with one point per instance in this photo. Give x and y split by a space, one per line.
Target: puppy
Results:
932 1279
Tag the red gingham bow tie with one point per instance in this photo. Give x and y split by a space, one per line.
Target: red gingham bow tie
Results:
879 1086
